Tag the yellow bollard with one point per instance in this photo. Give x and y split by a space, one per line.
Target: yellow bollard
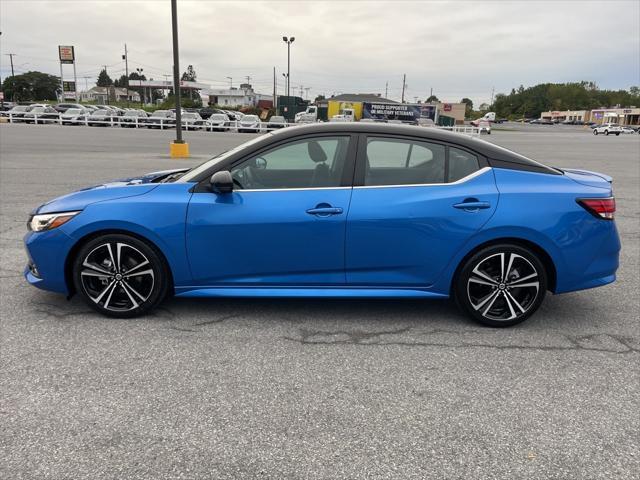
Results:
179 150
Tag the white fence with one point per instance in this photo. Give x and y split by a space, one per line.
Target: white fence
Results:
167 123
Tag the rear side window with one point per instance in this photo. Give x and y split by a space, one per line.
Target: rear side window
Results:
461 164
403 162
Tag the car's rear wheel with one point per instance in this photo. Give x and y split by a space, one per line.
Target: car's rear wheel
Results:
501 285
606 132
595 132
120 276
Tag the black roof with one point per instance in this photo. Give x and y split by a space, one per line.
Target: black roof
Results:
496 156
487 149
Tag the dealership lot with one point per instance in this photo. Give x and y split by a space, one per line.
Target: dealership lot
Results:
309 388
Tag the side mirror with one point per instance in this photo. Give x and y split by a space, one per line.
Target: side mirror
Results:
221 182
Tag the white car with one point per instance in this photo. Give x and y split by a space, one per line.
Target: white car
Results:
629 130
484 126
191 120
608 128
73 116
249 123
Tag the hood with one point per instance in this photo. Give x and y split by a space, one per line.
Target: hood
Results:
586 177
127 187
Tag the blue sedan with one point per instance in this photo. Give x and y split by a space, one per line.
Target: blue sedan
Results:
335 210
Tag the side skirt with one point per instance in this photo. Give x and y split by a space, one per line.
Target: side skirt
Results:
308 292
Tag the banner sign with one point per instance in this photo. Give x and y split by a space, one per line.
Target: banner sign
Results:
66 54
69 86
391 111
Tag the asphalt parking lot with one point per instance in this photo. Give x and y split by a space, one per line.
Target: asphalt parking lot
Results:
302 388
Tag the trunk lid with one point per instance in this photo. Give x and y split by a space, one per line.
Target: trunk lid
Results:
589 178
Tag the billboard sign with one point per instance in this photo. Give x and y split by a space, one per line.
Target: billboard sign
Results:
69 86
391 111
66 54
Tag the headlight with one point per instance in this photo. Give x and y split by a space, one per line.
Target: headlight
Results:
49 221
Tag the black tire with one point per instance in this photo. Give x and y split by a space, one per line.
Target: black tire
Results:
480 284
606 132
595 132
617 134
101 275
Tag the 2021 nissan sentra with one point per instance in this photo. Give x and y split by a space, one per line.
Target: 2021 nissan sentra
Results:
335 210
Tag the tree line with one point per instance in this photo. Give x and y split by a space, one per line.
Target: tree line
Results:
531 102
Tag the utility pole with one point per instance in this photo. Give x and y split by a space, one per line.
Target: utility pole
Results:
275 94
248 79
307 90
431 92
301 91
386 90
86 83
125 57
140 70
178 148
230 82
493 90
11 55
404 79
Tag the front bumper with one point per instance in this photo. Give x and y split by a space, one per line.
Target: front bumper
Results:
47 253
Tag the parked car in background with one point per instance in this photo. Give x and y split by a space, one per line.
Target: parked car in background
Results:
6 106
17 112
41 115
628 130
63 107
190 120
102 118
541 121
73 116
206 112
249 123
608 128
277 121
133 118
161 119
233 115
218 122
91 108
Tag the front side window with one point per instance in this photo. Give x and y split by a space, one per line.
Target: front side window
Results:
403 162
309 163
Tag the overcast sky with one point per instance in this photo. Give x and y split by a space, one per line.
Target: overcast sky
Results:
460 49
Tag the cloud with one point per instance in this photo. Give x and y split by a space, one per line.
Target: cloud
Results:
459 49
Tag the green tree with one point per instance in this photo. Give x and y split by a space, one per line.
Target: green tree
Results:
468 109
104 80
31 86
432 99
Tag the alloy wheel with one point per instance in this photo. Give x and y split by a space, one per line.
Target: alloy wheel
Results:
503 286
117 276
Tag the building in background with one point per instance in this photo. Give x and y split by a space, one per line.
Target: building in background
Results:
623 116
104 95
243 96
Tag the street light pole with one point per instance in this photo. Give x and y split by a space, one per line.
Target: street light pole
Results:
176 78
288 41
140 70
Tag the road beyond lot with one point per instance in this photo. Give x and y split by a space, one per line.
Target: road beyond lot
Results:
288 389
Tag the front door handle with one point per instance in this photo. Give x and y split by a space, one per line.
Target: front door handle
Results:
472 205
324 210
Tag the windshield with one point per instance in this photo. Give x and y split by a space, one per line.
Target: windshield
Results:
250 118
38 110
277 119
20 108
100 112
218 116
188 116
160 113
73 111
194 172
132 113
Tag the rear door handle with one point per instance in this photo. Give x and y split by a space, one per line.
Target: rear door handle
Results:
472 205
322 211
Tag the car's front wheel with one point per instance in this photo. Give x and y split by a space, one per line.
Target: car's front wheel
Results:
501 285
120 276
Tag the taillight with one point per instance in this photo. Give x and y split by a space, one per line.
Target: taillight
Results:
600 207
